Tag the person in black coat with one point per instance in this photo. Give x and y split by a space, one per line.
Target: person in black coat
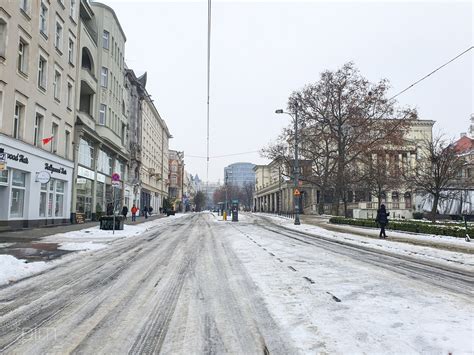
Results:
124 212
382 220
145 212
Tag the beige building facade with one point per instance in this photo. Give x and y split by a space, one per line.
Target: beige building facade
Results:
101 149
38 69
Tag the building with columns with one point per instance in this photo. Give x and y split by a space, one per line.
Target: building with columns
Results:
274 184
38 60
100 137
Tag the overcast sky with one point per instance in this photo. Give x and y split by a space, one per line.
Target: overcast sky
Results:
262 51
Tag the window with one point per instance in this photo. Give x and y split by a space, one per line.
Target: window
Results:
57 85
43 24
71 51
43 200
18 193
72 11
104 76
104 163
22 56
58 38
17 120
42 73
67 143
4 177
102 114
38 129
3 38
105 40
54 134
69 95
86 153
24 5
59 209
50 198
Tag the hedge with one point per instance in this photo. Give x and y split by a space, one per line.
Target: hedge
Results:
409 226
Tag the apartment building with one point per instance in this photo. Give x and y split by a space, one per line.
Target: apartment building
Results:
149 146
101 148
176 179
38 69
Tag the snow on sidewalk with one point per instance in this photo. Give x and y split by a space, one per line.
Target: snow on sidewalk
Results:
88 239
450 258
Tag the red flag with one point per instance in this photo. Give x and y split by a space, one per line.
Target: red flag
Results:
47 140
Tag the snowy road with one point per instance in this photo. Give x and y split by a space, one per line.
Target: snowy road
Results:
199 285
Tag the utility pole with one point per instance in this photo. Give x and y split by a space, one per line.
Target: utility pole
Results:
297 173
296 195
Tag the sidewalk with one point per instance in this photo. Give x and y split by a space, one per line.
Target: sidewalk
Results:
26 235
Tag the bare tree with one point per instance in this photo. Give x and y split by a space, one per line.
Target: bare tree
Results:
247 194
343 117
199 200
436 173
379 175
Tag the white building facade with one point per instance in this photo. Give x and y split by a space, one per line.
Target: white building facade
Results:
38 48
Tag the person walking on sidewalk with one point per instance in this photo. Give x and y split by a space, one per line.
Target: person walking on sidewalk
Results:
382 220
124 212
134 213
145 212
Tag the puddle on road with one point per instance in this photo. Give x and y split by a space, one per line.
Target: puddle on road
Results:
32 251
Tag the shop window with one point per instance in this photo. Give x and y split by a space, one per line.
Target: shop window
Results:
18 193
43 200
59 210
4 177
51 198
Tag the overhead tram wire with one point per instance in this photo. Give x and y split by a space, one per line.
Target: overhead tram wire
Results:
434 71
222 156
208 85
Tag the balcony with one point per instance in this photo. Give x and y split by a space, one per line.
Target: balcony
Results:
107 134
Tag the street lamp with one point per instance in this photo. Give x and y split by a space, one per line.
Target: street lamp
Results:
296 197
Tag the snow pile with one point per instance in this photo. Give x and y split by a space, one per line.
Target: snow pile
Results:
13 269
451 258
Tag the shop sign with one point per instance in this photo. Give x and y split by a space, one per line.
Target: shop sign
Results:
43 177
17 157
89 174
100 177
81 181
3 161
53 169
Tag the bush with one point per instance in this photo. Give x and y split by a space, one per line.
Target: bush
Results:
409 226
417 215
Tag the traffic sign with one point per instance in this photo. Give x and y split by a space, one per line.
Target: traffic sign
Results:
115 183
115 177
296 192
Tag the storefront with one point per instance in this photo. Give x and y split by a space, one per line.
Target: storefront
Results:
35 186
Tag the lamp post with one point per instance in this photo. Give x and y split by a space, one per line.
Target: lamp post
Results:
296 197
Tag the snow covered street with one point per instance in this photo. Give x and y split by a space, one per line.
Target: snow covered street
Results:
196 284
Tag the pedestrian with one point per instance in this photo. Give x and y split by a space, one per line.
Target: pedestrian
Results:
134 213
110 209
382 220
145 212
124 212
150 210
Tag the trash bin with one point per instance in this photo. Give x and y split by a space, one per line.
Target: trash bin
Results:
107 222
